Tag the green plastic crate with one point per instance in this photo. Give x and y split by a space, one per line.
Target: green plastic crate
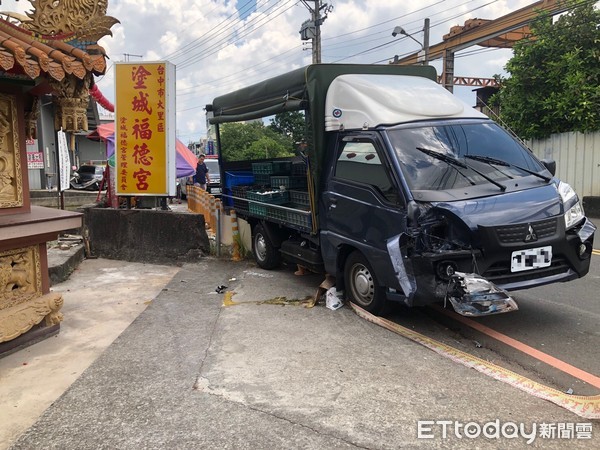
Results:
262 179
276 213
299 169
299 197
240 192
301 218
258 209
272 168
272 197
289 182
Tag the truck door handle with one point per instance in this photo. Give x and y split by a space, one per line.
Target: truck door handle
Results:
333 204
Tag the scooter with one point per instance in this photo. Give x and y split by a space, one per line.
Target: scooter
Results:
89 185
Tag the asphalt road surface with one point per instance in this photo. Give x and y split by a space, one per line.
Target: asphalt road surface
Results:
561 320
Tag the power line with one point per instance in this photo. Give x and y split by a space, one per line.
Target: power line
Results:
244 71
210 33
214 48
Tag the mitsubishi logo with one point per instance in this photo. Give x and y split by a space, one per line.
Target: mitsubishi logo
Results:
530 236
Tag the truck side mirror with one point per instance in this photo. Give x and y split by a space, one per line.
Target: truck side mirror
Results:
550 164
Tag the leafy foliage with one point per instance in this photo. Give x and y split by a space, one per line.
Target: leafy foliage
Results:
554 83
247 141
290 124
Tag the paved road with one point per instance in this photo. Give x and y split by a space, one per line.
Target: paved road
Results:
560 320
195 370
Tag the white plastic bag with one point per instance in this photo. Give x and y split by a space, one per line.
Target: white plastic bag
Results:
333 299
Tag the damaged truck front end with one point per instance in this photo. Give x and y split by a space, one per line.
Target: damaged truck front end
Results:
441 258
479 226
462 253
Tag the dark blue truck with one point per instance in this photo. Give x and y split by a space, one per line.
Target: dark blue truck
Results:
409 194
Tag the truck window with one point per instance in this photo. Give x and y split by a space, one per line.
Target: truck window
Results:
359 162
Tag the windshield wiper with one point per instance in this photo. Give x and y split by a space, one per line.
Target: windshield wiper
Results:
449 160
499 162
454 161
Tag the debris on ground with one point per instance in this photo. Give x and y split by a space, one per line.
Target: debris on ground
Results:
66 242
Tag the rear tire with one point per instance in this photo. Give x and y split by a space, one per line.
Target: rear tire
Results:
361 284
267 256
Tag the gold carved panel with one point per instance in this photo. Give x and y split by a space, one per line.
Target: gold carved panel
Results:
20 276
22 303
11 178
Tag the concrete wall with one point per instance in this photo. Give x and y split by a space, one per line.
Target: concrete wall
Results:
72 198
142 235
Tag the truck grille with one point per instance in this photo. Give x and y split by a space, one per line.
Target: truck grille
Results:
510 234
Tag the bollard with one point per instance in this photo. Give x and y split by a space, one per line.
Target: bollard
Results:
218 230
235 253
192 199
213 213
205 208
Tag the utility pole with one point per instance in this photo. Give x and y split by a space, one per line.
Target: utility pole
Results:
317 39
311 29
426 41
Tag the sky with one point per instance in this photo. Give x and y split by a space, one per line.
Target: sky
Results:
218 46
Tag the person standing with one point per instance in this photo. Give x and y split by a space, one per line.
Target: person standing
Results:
201 178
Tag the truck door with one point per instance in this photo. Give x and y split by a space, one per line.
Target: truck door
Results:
363 206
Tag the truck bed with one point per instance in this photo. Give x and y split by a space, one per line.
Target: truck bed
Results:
293 216
280 198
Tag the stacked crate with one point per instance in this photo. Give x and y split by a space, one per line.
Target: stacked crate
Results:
239 193
276 184
274 197
299 198
300 201
289 182
264 170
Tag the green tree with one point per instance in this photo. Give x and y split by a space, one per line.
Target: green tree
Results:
290 124
246 141
554 83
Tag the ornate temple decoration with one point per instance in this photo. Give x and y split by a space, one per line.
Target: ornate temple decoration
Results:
53 50
85 19
58 40
11 189
72 103
20 276
31 119
22 303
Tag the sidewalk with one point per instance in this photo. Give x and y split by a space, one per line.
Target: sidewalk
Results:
101 299
196 370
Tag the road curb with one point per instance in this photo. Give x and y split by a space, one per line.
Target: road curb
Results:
61 263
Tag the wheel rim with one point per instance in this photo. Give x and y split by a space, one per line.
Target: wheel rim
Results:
363 285
260 247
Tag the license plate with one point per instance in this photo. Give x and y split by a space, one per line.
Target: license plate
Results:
215 191
532 258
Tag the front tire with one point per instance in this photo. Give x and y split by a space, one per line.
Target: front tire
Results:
361 283
267 256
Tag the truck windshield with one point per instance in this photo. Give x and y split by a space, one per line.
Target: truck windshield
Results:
470 153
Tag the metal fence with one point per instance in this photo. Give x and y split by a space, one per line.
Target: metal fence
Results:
577 157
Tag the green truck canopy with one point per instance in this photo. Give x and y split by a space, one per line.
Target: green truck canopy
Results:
301 89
